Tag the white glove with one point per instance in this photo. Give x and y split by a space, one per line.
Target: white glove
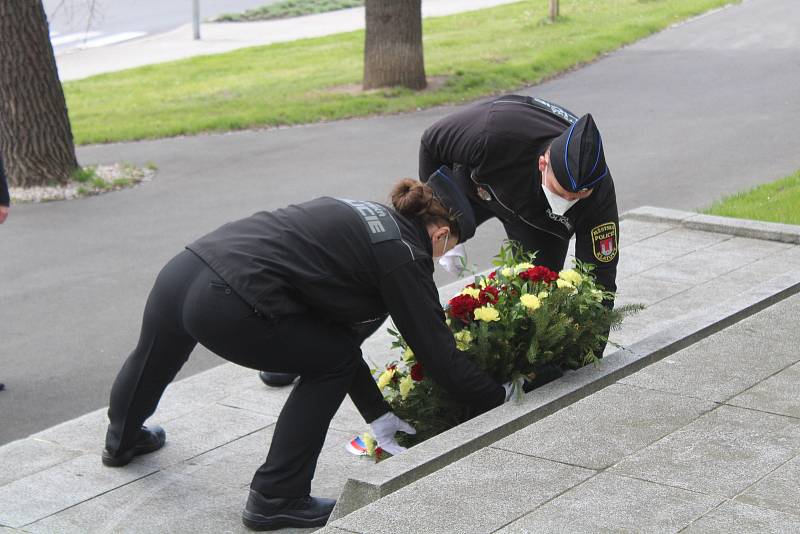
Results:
384 429
509 387
455 260
514 389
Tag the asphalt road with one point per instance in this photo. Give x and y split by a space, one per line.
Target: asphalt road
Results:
701 110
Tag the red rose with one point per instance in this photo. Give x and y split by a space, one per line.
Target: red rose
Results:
488 295
416 372
492 275
462 306
539 273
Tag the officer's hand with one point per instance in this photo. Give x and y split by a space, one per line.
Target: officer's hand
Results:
385 427
543 374
509 387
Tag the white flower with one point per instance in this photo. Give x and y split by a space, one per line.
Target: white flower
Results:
463 339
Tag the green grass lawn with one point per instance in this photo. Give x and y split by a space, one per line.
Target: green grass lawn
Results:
469 55
774 202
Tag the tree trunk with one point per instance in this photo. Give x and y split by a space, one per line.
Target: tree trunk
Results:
35 134
553 10
393 44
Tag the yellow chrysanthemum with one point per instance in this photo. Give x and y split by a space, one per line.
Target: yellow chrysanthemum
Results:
530 301
564 284
597 295
370 443
406 385
508 272
543 295
463 339
487 314
385 378
473 292
408 354
571 275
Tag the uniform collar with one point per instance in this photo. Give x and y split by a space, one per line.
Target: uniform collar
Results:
425 239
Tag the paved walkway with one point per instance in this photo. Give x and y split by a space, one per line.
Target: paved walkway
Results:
707 440
710 442
219 37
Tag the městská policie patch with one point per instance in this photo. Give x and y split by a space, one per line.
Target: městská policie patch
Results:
604 242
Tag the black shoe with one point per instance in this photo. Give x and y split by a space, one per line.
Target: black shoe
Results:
277 380
265 513
147 440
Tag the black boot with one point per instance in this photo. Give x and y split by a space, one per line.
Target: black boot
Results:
277 380
147 440
268 513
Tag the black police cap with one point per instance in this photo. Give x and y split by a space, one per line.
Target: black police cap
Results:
454 199
576 156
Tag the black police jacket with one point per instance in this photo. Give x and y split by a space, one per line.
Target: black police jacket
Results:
347 262
494 149
5 200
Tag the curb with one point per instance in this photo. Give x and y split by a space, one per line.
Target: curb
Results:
458 442
768 231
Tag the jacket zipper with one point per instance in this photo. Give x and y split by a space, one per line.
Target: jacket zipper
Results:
497 198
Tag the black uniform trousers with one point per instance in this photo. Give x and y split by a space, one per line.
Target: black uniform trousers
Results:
189 303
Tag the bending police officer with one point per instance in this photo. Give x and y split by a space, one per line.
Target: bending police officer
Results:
540 170
290 291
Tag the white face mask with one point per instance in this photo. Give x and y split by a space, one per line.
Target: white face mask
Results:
558 205
455 261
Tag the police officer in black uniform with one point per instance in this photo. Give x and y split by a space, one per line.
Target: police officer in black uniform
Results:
5 202
538 168
5 199
297 290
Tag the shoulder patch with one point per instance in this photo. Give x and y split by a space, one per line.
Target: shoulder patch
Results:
604 242
377 220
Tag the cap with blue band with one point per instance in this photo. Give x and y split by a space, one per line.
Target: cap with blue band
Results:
454 199
576 156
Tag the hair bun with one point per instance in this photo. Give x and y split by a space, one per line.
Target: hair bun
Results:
410 197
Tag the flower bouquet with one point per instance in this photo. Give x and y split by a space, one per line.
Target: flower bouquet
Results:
513 323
